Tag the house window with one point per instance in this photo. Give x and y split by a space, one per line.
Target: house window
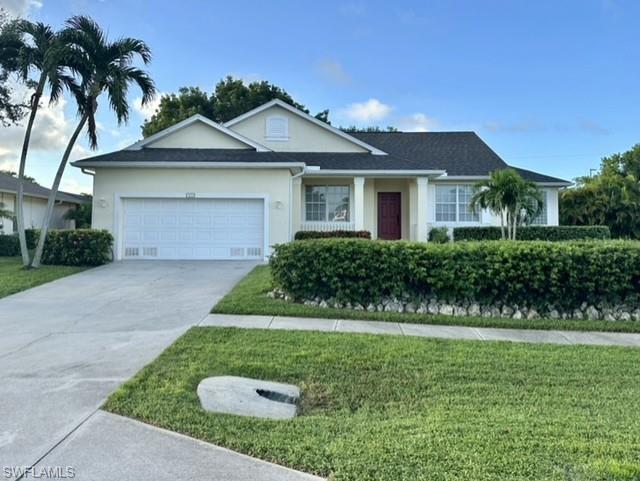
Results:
277 128
453 204
541 218
327 203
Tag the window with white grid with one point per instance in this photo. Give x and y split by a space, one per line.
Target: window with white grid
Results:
541 218
453 204
327 203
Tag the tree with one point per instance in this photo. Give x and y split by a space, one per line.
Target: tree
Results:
28 178
611 198
231 97
105 67
81 214
27 47
374 128
509 196
11 111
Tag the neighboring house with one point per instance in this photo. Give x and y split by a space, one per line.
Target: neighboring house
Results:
201 190
35 204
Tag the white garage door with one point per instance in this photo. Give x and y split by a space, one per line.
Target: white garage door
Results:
193 228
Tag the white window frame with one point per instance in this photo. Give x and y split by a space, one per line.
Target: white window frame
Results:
326 209
457 219
268 134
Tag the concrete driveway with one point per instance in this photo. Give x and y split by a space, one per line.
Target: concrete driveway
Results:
66 345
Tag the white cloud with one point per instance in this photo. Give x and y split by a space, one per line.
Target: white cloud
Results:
417 122
370 111
333 71
146 111
20 8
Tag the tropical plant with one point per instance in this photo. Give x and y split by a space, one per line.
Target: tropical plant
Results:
11 109
81 214
509 196
4 212
104 67
28 47
611 197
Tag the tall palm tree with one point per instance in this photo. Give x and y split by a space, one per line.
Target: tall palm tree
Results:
26 47
104 67
509 196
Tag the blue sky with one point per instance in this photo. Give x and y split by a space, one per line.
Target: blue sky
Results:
550 85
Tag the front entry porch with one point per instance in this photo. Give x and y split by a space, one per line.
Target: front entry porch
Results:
388 207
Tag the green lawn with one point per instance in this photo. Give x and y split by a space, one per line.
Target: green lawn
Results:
394 408
13 278
250 297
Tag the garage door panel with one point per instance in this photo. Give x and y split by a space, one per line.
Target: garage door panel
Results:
193 228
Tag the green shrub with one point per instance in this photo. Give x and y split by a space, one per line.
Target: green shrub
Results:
81 247
535 232
316 234
531 274
32 236
9 245
439 235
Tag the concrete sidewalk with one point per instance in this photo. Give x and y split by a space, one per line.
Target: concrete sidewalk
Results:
424 330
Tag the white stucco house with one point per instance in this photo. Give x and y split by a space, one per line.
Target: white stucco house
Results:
35 205
202 190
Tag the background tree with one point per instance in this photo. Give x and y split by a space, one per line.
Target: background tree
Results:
81 214
5 213
11 110
509 196
11 173
374 128
231 97
611 197
27 47
105 67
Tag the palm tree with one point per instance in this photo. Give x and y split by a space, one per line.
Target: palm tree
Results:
509 196
5 213
25 47
104 67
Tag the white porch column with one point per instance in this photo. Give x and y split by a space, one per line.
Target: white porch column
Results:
421 208
358 203
295 213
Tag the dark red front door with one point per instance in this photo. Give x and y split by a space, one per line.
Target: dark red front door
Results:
389 215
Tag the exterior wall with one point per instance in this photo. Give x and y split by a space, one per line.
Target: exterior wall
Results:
304 136
274 183
34 209
198 136
553 208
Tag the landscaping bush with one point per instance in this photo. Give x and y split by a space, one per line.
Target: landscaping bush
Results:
316 234
535 232
9 245
439 235
542 275
32 236
82 247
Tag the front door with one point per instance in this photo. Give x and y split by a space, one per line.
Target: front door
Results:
389 215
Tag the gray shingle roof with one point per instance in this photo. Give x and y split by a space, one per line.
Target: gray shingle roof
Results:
459 153
9 183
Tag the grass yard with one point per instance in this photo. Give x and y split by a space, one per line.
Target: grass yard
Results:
13 278
250 297
394 408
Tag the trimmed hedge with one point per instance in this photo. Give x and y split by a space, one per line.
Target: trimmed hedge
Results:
528 274
316 234
439 235
535 232
81 247
9 245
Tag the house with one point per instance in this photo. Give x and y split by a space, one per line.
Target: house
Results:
201 190
35 205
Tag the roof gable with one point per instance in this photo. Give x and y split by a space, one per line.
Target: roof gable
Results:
305 132
198 132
